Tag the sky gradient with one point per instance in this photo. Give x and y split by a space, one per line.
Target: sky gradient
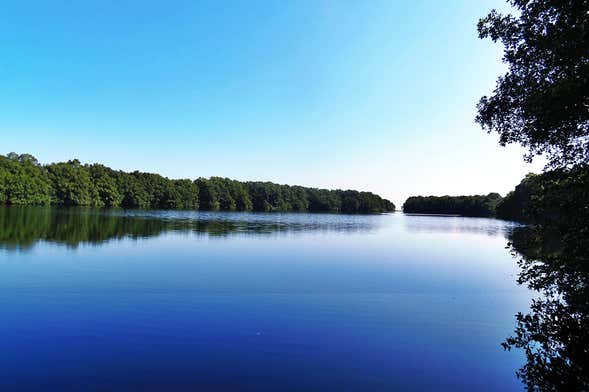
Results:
372 95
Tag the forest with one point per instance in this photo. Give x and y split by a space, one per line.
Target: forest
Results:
519 205
24 181
475 206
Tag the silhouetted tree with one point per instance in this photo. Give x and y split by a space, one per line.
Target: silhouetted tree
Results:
542 102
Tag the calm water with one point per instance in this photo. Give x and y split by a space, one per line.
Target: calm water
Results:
254 302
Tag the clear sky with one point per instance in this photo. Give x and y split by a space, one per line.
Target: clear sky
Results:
369 95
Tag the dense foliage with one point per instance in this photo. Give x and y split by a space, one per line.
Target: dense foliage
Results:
515 205
23 181
477 205
542 102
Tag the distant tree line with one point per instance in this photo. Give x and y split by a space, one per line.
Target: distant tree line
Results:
521 204
477 205
23 181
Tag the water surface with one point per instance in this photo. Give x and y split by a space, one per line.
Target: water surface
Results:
160 300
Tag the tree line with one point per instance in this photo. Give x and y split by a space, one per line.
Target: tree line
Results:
24 181
474 206
548 197
520 205
517 204
527 203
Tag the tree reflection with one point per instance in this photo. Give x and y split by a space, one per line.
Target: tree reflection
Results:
554 259
23 227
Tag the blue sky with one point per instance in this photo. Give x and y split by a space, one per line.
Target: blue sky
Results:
370 95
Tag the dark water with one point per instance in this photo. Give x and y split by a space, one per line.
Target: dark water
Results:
194 301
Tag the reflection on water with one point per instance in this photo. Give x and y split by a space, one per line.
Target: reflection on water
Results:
22 227
420 223
554 334
283 302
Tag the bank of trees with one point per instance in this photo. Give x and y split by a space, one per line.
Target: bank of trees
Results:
516 205
521 204
477 205
23 181
547 197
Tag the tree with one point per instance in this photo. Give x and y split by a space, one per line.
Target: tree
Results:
187 193
323 200
516 205
23 182
476 205
134 193
222 188
22 158
162 193
242 198
104 180
72 184
542 102
207 195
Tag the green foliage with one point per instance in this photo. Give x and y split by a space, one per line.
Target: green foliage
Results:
323 200
105 183
135 195
527 203
225 191
186 195
23 181
267 196
542 101
477 205
162 191
515 206
207 195
298 198
72 184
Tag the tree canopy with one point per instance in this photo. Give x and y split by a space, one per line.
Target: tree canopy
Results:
23 181
516 205
542 101
476 205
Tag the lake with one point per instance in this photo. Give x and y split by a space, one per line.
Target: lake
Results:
186 301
